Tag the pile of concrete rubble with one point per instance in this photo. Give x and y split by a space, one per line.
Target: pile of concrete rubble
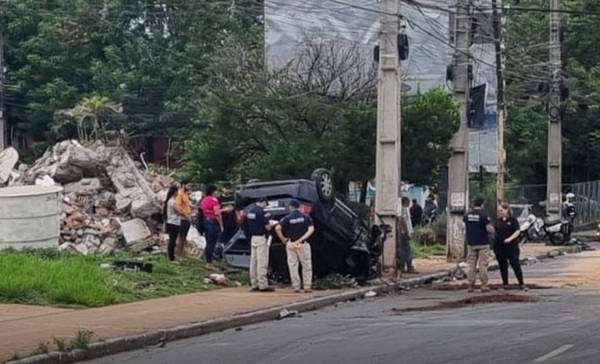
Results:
110 201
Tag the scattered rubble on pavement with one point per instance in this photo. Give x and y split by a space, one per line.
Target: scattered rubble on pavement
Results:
110 201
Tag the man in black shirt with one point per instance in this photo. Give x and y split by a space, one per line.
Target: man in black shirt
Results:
293 230
477 226
230 226
258 225
416 213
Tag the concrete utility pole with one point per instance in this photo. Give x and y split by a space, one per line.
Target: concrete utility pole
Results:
554 111
3 124
500 103
388 128
458 172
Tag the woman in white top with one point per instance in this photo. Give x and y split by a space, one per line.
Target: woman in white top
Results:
172 221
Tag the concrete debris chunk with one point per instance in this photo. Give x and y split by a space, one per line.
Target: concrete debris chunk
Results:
8 160
134 231
110 201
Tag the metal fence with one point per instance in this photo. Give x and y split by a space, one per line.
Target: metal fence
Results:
587 199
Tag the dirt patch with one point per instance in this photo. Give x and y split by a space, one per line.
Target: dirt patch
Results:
464 286
475 300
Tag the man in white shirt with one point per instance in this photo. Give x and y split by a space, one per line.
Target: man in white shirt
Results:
405 230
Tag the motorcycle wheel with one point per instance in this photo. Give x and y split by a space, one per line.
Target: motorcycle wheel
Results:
557 238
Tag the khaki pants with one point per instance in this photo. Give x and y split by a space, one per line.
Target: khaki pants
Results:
479 254
259 262
303 256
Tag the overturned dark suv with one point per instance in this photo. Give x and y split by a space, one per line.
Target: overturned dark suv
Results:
342 242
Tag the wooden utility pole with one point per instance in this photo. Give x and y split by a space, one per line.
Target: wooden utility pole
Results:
500 103
388 127
458 178
554 113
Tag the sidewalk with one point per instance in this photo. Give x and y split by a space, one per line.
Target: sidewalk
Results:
25 327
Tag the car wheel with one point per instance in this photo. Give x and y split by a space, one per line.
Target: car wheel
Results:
324 182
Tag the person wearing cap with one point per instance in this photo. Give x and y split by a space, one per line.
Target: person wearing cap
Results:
293 230
258 226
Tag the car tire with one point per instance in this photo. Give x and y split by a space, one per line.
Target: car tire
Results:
324 182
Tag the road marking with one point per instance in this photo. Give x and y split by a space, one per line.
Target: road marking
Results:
553 354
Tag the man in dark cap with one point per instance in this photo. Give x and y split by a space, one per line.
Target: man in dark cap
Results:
293 230
258 226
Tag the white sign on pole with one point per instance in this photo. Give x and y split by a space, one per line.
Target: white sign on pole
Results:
457 199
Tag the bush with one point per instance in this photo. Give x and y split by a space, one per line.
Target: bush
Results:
424 235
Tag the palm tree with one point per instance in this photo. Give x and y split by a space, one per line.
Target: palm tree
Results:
85 116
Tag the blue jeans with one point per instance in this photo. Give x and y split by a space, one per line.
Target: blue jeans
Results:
211 234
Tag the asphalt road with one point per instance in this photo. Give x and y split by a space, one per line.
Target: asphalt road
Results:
563 326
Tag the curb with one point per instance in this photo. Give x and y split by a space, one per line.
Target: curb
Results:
157 336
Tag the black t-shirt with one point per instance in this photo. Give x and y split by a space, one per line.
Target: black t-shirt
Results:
229 220
505 228
295 225
257 219
475 225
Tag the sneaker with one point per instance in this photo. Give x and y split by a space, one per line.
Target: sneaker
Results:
254 289
296 290
266 289
485 289
524 288
307 290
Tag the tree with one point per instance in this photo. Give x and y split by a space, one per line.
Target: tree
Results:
144 56
257 124
86 116
527 80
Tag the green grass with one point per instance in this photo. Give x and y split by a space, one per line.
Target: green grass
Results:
425 251
51 277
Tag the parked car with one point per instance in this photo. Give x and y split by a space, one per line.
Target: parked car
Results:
342 242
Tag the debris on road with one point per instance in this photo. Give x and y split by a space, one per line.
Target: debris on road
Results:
370 294
284 313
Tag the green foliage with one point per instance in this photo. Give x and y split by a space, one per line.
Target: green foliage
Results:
425 251
132 52
527 35
424 235
256 124
50 277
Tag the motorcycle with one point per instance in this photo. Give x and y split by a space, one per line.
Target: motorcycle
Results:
557 231
537 229
532 230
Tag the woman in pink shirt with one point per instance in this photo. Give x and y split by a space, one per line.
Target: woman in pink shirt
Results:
213 223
